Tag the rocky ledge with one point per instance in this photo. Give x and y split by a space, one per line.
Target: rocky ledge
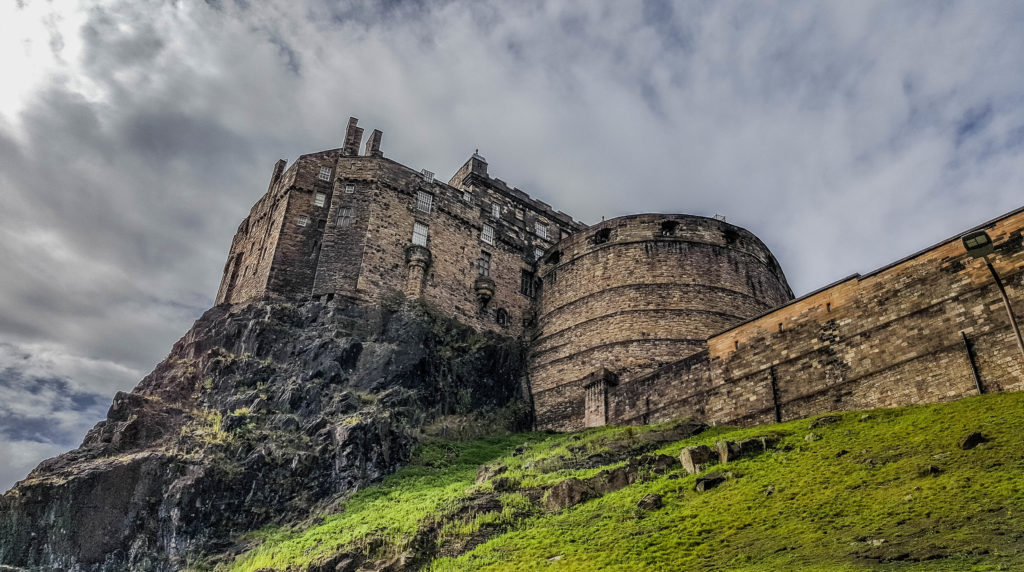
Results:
260 413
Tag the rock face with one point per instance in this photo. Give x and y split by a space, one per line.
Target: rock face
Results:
258 412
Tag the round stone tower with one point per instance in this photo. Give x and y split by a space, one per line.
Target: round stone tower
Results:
632 293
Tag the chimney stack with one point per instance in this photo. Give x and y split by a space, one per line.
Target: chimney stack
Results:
278 171
373 144
353 136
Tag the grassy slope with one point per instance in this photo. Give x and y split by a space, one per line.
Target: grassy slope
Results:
879 505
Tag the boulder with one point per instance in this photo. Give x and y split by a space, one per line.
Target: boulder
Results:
657 464
611 480
652 501
567 493
732 450
709 481
695 459
824 420
972 440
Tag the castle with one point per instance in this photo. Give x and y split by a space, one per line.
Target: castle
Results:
639 318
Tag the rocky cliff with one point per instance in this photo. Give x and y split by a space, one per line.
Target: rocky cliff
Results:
261 413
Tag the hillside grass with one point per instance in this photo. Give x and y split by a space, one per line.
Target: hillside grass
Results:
886 489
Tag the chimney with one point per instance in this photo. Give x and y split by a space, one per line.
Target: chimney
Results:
353 136
278 171
373 144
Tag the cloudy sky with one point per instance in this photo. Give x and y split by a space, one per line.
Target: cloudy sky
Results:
134 136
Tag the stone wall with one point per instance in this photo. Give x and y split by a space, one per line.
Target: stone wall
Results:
931 327
636 292
357 243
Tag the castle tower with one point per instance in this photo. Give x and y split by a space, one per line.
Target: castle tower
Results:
636 292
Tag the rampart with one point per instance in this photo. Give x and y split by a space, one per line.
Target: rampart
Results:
931 327
635 292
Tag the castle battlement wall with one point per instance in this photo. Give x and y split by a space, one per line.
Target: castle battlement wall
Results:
931 327
633 293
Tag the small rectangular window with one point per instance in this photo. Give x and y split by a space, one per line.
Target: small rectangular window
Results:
487 234
345 217
538 253
419 234
483 264
321 224
495 211
325 174
427 175
540 229
303 220
467 196
424 201
528 284
350 188
320 199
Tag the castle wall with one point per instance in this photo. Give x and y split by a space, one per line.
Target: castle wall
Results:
250 259
907 333
455 242
355 241
636 292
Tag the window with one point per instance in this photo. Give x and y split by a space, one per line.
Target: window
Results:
528 284
501 317
302 220
540 229
427 175
321 224
467 196
424 201
350 188
345 217
538 253
325 174
483 264
487 234
668 227
419 234
319 199
602 236
495 211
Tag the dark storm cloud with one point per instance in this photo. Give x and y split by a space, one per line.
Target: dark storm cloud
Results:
846 135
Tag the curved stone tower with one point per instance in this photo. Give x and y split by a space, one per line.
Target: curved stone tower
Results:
633 293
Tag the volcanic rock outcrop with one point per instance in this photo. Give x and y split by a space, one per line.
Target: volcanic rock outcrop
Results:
260 413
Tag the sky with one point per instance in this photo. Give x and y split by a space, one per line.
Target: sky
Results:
135 136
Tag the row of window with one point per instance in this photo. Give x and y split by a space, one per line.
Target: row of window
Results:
320 199
425 203
345 217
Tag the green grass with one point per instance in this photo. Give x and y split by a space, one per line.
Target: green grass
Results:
876 506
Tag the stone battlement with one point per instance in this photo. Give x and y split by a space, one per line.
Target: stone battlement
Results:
635 319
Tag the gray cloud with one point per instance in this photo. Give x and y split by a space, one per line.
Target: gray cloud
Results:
846 135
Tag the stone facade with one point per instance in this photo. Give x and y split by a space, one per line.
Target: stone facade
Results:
931 327
636 292
337 223
639 318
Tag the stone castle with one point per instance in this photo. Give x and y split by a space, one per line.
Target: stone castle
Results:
640 318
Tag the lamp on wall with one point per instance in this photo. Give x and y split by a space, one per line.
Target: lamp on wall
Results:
979 245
